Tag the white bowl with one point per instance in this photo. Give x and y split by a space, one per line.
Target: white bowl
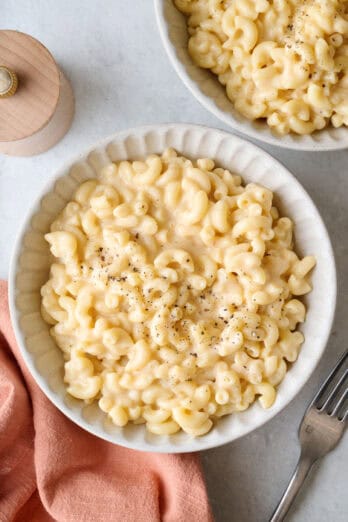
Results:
30 266
212 95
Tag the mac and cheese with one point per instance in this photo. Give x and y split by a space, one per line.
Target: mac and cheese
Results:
285 61
174 293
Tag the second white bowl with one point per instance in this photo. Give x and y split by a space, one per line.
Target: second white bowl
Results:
212 95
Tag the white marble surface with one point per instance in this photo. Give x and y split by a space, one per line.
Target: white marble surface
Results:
112 53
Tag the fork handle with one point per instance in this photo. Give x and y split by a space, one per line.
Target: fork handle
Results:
302 469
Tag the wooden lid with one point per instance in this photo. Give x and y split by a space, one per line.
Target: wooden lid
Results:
35 101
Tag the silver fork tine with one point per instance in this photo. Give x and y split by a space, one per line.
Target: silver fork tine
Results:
332 396
338 406
327 382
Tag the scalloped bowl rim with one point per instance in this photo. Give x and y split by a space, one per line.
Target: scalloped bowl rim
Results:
199 443
244 128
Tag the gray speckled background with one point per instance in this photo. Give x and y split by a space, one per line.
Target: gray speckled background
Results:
111 51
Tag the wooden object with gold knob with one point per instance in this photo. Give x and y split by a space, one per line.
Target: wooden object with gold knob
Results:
36 100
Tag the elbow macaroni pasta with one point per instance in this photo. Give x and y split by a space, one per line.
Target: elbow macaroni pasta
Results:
174 298
285 61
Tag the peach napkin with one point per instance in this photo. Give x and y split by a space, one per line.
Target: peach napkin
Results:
51 469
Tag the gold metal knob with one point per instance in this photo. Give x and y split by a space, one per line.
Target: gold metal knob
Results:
8 82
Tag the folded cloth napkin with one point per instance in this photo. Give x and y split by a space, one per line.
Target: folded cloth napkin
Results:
50 469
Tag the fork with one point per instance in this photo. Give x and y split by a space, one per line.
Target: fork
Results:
321 429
